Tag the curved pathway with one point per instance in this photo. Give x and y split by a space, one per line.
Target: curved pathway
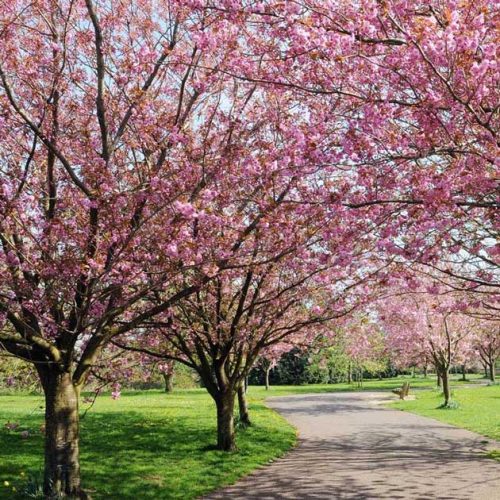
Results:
351 447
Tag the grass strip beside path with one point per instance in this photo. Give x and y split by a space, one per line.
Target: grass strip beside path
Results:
478 409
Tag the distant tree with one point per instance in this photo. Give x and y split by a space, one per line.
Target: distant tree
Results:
435 323
487 343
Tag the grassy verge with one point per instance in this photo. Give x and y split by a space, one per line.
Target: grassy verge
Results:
151 445
478 410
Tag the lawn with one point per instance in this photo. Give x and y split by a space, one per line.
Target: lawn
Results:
149 444
386 384
478 408
144 445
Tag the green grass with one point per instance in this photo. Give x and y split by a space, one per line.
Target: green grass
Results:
387 384
369 385
151 445
494 454
145 445
478 409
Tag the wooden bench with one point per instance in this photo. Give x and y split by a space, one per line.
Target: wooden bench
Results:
403 392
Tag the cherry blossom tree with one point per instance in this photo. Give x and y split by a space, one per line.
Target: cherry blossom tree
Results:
423 77
147 148
167 369
270 357
121 124
221 331
431 324
487 344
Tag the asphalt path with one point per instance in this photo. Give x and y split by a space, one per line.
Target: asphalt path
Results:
353 447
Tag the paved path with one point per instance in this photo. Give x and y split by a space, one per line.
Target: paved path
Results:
351 447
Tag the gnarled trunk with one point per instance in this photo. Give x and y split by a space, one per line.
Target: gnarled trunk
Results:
243 405
62 460
225 421
169 381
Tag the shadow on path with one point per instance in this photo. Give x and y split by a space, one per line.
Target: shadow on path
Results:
352 448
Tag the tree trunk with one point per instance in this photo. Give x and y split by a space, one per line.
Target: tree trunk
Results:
62 461
492 370
438 381
425 371
243 406
169 381
446 386
267 378
485 366
464 372
359 376
349 374
225 421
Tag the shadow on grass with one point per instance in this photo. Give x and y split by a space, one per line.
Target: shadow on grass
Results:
174 458
166 451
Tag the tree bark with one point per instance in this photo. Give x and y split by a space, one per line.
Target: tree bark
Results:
243 406
267 377
425 371
169 381
492 370
464 372
438 381
62 460
349 374
225 421
446 386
